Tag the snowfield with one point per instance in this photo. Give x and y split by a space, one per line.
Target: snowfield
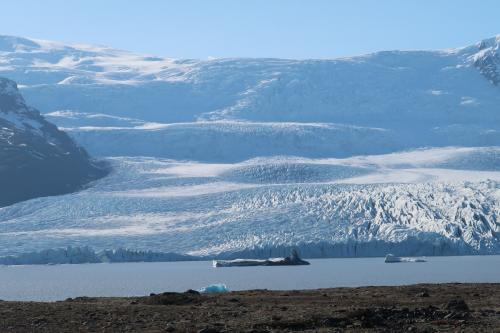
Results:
262 207
235 141
451 92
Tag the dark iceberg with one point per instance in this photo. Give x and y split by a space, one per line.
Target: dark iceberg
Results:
292 260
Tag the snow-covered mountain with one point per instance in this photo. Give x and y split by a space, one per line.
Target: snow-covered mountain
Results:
487 60
36 159
251 157
256 89
426 98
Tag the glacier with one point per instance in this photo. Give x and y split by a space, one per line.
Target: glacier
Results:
230 210
391 152
85 255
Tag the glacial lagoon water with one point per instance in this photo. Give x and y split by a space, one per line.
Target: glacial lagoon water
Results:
57 282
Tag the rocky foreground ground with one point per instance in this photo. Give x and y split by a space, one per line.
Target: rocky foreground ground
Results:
416 308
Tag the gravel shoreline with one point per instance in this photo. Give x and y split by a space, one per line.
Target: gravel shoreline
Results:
414 308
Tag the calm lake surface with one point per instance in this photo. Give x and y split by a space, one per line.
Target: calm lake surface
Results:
57 282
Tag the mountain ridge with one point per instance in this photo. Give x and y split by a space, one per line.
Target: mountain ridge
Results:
37 158
421 98
387 83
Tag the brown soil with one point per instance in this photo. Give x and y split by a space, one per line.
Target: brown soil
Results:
416 308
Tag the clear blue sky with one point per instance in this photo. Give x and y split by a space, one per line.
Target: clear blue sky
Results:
255 28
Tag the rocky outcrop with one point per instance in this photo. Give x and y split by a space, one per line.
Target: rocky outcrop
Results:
36 158
487 60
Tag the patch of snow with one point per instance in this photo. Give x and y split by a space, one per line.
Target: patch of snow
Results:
22 122
437 92
469 101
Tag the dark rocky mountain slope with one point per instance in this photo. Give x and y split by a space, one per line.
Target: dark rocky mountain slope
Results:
36 158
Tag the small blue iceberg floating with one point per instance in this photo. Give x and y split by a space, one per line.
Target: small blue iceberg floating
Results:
218 288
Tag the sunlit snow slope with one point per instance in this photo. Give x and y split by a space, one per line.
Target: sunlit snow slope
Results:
425 98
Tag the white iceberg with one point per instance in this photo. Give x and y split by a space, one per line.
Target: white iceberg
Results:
391 258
